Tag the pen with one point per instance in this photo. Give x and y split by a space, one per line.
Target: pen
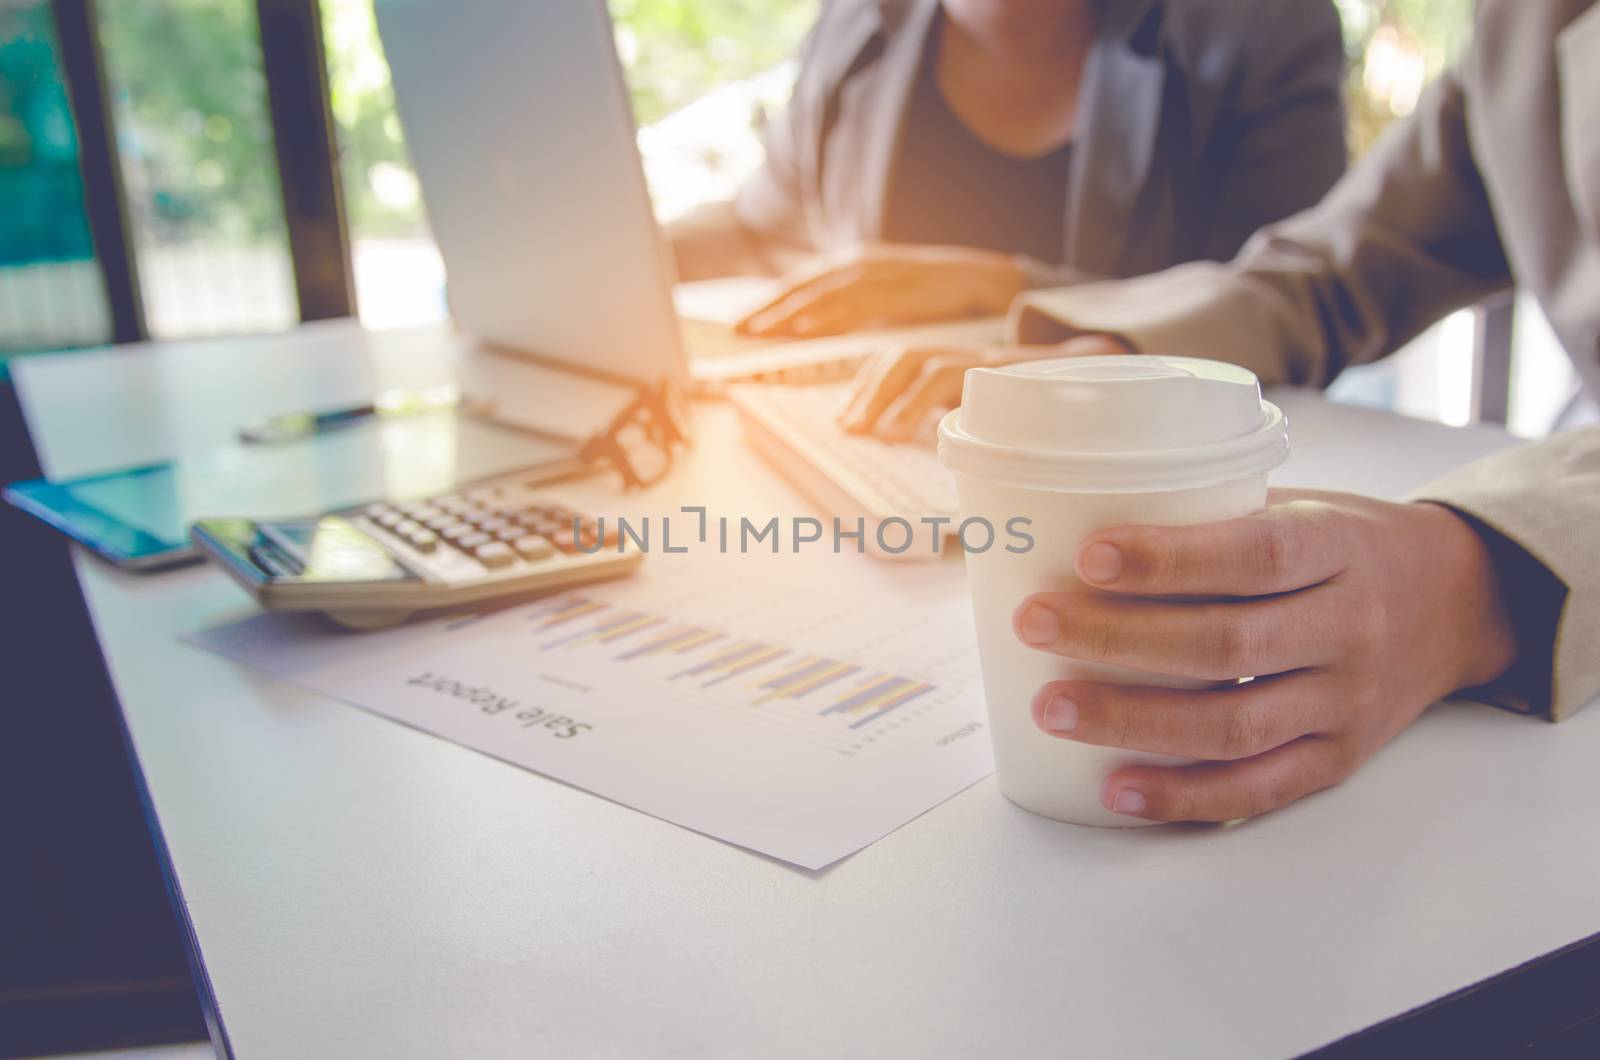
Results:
295 426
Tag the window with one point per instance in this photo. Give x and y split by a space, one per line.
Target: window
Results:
50 288
1395 48
194 138
702 74
399 277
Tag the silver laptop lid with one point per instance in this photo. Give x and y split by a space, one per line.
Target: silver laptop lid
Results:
524 142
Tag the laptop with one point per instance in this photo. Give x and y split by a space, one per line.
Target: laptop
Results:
524 142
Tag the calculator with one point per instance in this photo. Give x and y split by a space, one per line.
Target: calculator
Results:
378 565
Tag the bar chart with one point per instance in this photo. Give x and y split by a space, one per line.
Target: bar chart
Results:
757 674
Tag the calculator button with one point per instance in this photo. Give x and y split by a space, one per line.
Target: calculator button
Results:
490 526
423 540
510 534
425 513
405 527
411 508
456 531
552 527
475 540
440 521
385 516
495 554
532 546
563 540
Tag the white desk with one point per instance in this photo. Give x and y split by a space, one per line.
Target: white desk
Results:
361 889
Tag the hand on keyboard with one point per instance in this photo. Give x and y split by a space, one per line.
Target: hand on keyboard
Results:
895 391
891 285
883 478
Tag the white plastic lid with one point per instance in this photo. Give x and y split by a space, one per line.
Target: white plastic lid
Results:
1123 424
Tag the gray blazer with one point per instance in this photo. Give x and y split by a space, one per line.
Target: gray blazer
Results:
1199 122
1494 181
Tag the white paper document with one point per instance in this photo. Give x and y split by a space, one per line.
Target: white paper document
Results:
800 706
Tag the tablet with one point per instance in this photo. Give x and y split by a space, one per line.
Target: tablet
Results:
130 517
139 517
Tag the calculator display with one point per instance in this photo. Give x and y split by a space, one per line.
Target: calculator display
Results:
329 549
332 550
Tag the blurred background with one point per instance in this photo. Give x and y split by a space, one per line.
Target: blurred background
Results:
188 117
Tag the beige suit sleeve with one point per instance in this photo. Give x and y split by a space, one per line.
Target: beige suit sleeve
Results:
1545 497
1405 237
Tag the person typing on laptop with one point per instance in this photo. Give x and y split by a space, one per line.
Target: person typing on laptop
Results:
1352 614
939 156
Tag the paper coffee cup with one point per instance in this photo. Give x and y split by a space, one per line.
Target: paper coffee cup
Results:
1076 446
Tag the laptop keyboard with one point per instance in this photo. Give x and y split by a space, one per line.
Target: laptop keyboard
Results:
884 478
